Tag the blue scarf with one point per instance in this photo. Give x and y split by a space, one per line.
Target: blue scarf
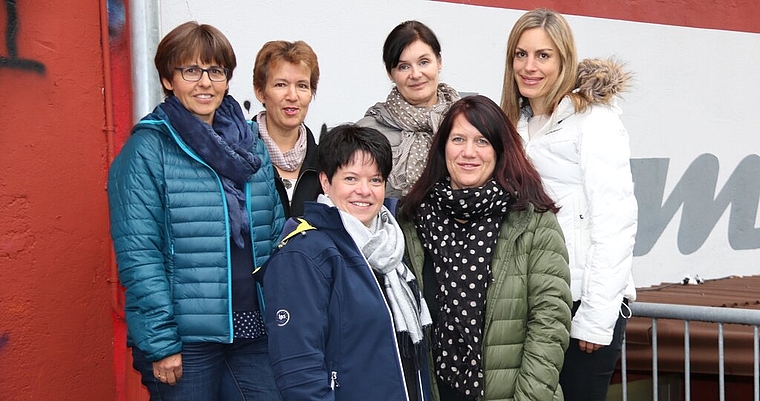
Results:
226 147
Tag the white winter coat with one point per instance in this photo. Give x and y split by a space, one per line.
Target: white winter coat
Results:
583 159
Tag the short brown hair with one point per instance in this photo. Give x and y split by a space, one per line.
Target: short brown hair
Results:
189 41
403 35
280 50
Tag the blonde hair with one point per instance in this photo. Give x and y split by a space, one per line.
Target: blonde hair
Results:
558 30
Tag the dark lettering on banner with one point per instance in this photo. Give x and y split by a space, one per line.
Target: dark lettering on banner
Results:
11 28
696 195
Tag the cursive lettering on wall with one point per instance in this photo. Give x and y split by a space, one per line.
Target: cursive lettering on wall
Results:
701 208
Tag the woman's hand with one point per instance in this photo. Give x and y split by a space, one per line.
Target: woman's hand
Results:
588 347
169 369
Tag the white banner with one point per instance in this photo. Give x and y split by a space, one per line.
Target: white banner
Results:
692 113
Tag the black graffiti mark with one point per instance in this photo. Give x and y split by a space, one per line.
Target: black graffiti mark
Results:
10 42
117 18
247 105
695 195
3 340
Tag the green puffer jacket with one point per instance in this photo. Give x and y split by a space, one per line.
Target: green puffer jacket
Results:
171 236
527 308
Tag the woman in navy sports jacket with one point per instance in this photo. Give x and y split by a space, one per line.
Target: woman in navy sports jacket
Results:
344 314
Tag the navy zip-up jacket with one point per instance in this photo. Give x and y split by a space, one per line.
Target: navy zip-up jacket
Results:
331 334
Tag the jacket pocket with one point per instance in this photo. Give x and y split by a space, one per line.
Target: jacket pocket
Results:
169 245
582 229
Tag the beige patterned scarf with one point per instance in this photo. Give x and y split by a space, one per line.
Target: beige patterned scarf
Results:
417 126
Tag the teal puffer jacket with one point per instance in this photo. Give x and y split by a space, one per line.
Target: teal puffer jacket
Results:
527 307
171 236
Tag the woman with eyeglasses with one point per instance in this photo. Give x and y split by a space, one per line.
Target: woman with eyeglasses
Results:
285 77
194 212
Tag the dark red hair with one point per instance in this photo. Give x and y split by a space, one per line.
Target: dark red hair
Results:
513 171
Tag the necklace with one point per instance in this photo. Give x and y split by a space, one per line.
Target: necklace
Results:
287 182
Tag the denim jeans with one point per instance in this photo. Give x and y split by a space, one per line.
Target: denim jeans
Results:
213 371
586 377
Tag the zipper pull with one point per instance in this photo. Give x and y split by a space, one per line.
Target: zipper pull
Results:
334 382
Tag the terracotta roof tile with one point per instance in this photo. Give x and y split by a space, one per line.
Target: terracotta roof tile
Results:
731 292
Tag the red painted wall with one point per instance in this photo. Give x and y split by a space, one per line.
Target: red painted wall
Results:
56 321
735 15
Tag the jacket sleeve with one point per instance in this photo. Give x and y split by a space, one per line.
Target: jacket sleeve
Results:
549 303
267 212
297 297
612 212
135 196
414 254
279 219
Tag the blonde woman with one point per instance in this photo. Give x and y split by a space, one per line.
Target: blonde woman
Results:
570 125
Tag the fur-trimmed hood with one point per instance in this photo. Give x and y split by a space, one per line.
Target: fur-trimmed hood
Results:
601 80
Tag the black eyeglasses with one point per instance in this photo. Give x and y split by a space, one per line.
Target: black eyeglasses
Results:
194 74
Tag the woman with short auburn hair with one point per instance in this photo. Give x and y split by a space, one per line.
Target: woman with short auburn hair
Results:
285 78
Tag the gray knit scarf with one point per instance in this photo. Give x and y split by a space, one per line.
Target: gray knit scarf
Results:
417 126
382 244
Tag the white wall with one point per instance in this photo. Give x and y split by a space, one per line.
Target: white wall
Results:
694 93
348 37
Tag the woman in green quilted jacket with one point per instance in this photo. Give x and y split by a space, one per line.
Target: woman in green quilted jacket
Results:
483 239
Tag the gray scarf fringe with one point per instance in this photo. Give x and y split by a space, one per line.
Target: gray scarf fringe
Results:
382 245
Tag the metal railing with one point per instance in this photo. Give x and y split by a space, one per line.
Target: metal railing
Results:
688 314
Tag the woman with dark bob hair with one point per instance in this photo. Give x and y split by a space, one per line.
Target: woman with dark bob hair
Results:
285 77
410 115
482 237
194 211
345 315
